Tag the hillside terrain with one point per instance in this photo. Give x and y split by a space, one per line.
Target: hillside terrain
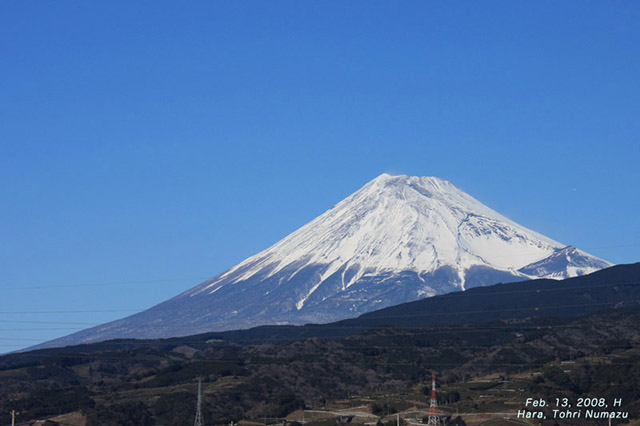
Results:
491 348
154 382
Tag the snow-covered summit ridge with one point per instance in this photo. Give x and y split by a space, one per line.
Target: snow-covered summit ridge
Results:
400 223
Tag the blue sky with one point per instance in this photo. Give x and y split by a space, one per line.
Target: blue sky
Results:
147 146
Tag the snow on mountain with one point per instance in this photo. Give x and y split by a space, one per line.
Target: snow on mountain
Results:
566 263
397 239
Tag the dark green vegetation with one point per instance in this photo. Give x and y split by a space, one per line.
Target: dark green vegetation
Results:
151 384
154 382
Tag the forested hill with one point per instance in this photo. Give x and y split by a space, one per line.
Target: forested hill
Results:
154 382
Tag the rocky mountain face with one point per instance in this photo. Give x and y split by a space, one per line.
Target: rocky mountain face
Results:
397 239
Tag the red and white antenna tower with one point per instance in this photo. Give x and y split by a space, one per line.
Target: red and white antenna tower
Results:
434 418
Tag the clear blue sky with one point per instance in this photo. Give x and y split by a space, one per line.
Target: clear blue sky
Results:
146 146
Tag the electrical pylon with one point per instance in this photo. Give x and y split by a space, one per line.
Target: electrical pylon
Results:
434 418
198 421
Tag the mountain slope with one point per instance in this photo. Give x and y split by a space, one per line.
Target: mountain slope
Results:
611 288
614 288
397 239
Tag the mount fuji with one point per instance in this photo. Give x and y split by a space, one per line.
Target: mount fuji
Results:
397 239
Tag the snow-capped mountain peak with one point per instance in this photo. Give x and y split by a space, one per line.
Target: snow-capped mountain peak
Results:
397 239
400 223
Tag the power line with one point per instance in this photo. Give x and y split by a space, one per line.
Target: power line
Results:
456 294
103 284
470 329
51 322
415 333
17 338
376 318
43 329
83 311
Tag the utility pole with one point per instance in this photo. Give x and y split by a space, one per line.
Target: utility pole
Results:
13 417
198 421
